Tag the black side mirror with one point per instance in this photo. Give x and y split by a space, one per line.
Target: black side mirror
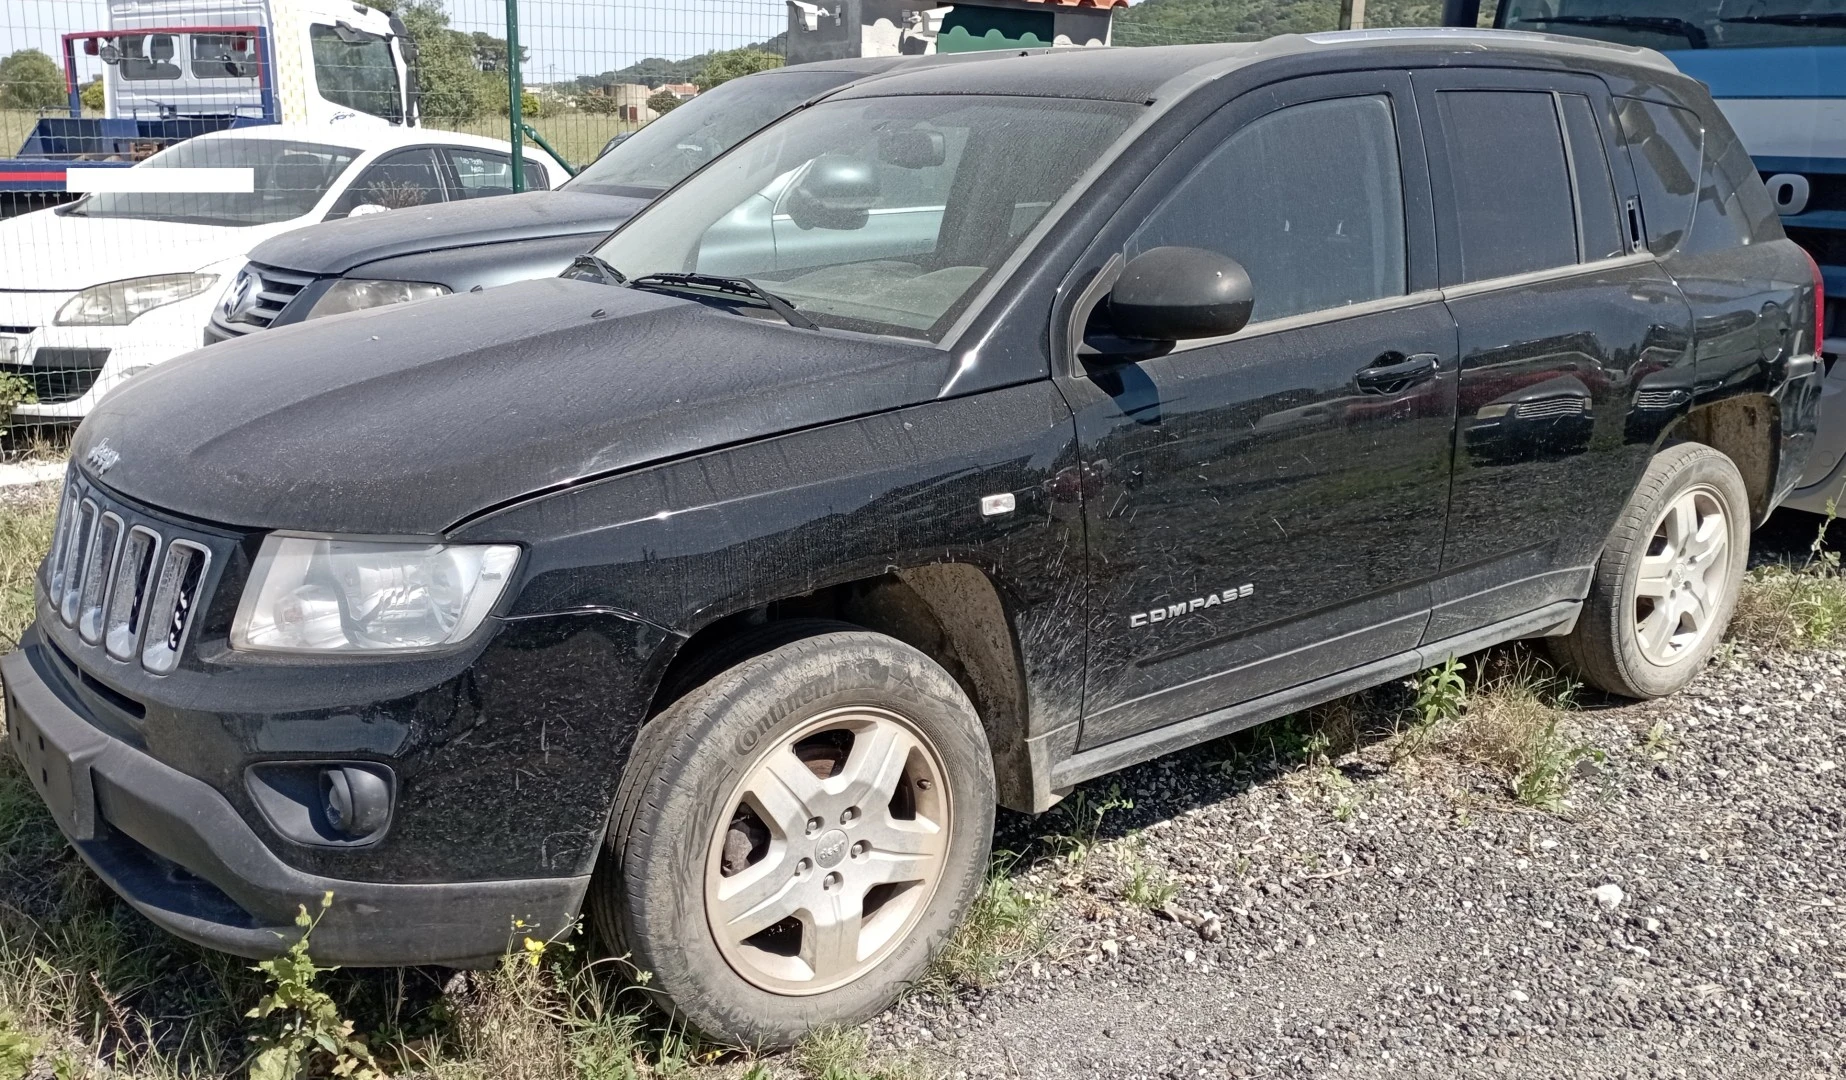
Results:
918 148
833 192
1179 293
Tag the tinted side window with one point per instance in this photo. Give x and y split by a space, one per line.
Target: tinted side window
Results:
1733 207
1597 212
481 173
1309 199
406 178
223 56
1512 187
148 58
1663 142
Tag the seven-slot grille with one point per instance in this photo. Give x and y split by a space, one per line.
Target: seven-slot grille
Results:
124 586
272 290
1550 408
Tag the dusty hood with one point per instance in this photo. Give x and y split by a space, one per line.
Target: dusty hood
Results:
47 250
334 247
406 420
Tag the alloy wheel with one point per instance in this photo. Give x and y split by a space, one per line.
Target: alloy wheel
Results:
1683 576
829 850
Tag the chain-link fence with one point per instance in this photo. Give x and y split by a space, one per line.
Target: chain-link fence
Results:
147 149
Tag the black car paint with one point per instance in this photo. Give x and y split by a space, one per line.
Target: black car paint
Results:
666 467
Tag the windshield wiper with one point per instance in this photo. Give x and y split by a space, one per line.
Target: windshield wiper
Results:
1830 19
599 270
1664 24
735 286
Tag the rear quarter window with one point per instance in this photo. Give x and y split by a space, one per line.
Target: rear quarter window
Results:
1733 207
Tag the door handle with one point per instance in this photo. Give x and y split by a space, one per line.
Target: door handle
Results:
1394 372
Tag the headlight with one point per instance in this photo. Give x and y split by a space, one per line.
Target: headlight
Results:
118 303
309 594
1490 412
359 294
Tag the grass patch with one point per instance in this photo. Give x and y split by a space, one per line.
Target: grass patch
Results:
842 1054
25 536
1793 607
1514 722
1148 886
1004 929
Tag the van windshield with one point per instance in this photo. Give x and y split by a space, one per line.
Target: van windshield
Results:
289 178
667 151
1684 24
883 214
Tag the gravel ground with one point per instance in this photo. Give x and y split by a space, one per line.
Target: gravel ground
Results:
1684 913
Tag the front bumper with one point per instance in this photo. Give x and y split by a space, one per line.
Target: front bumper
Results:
177 851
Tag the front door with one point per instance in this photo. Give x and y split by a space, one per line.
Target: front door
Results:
1268 508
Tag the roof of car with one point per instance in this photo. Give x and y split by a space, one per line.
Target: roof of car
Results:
1168 71
359 136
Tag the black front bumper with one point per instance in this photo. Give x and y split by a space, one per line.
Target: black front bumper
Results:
177 851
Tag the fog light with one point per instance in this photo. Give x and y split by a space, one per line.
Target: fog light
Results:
357 802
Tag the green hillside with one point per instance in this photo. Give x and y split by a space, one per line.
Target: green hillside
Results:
1177 22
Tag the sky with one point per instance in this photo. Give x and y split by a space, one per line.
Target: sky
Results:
565 38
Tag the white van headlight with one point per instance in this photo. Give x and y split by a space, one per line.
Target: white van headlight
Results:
357 294
118 303
316 594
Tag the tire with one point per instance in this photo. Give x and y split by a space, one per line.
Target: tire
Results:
710 825
1631 642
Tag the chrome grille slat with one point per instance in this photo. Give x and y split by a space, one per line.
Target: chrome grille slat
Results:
82 533
134 576
120 582
98 570
171 615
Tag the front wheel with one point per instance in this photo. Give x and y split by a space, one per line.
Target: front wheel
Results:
796 837
1667 581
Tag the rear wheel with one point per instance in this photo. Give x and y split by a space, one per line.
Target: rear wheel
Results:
795 837
1667 581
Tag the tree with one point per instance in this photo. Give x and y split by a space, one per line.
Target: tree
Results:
30 80
728 65
662 102
92 94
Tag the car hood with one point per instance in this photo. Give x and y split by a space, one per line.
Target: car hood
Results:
335 247
410 419
49 251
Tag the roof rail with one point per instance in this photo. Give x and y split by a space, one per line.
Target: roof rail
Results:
1521 40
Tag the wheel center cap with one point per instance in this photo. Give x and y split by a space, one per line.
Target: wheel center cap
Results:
830 848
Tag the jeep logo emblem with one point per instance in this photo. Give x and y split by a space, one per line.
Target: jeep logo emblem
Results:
102 457
830 849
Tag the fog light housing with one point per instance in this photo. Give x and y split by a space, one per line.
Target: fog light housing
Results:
356 802
337 804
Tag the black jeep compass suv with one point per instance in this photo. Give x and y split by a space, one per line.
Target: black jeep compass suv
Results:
964 435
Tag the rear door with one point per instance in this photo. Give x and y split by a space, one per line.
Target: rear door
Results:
1575 345
1262 511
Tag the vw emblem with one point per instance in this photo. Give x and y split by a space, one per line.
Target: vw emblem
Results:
241 298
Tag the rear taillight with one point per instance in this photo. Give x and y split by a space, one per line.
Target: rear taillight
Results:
1820 303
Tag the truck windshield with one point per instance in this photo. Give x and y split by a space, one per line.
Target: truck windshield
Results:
356 70
289 180
884 215
668 150
1684 24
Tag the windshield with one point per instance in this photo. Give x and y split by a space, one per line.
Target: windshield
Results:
1684 24
667 151
289 180
881 214
356 70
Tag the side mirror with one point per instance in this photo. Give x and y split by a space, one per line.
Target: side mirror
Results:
918 148
1179 293
833 192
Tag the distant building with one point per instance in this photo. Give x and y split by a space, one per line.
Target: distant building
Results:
631 102
836 29
680 90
